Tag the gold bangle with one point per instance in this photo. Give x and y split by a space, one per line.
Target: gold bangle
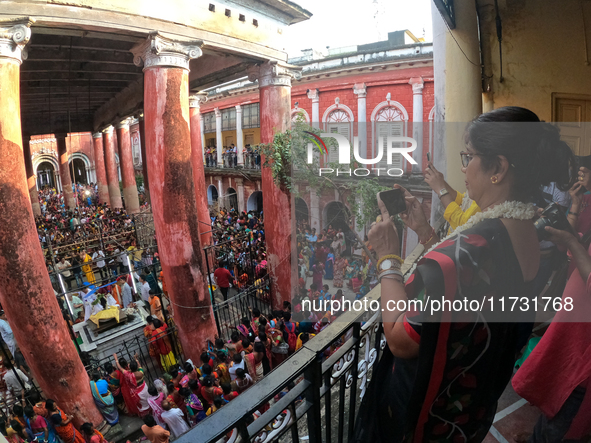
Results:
389 256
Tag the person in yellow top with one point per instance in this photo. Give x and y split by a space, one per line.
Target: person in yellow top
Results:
135 255
458 207
87 268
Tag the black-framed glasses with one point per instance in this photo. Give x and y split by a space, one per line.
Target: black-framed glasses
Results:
467 158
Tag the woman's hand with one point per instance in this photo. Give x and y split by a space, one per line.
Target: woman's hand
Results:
576 195
434 178
383 235
560 237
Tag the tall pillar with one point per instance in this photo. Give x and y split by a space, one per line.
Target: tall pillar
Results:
361 91
168 149
203 137
240 185
198 166
25 290
218 137
239 135
132 202
221 196
275 102
144 160
101 173
31 179
111 164
314 95
417 122
62 153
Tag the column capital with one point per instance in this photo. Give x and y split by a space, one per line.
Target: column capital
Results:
196 100
360 89
239 181
218 113
14 36
158 50
314 94
123 124
417 85
238 109
108 130
97 135
218 178
273 73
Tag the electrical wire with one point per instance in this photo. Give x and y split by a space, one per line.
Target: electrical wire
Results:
459 47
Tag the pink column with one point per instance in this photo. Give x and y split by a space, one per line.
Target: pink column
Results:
176 219
62 153
132 202
110 147
101 172
25 290
144 161
198 167
275 107
31 180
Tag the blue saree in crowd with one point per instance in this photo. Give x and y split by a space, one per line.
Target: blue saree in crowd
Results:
105 401
329 267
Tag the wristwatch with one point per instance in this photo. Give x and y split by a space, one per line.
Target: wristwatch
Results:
386 265
443 192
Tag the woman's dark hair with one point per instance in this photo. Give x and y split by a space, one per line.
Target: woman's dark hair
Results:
263 337
262 322
193 385
208 381
204 357
262 328
173 373
17 410
50 404
133 366
206 369
188 367
227 388
157 323
87 428
152 390
245 343
259 347
95 376
170 388
108 367
219 343
149 319
29 411
237 358
235 337
533 149
246 321
15 425
123 363
221 355
217 402
286 315
185 392
256 312
240 373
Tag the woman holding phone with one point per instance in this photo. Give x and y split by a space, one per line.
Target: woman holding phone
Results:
443 371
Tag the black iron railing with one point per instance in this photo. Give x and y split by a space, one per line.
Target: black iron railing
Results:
328 377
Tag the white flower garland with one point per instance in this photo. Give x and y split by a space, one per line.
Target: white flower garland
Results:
510 209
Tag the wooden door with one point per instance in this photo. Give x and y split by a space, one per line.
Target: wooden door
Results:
573 116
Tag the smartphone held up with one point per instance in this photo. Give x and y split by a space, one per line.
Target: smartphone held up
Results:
394 201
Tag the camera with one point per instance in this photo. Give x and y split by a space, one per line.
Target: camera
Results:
552 216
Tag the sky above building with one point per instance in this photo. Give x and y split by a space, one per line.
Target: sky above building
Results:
338 23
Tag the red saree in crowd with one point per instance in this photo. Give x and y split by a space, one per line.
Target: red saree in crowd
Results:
130 392
67 433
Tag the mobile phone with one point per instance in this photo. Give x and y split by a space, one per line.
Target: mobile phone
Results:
428 156
393 200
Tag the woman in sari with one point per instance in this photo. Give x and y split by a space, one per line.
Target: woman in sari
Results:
152 348
63 424
317 274
155 401
91 435
39 427
114 381
329 265
443 372
162 343
103 399
254 362
339 271
87 268
129 389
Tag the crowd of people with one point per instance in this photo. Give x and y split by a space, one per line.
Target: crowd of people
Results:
250 154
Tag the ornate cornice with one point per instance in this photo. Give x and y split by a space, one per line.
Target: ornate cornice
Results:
197 99
14 36
417 85
42 140
273 73
158 50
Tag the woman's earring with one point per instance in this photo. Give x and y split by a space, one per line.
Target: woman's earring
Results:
494 179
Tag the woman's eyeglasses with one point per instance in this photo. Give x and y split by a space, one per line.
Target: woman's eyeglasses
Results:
467 158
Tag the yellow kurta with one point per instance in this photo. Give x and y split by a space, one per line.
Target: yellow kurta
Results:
87 269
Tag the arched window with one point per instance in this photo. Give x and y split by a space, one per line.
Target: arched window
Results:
338 119
299 113
388 120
